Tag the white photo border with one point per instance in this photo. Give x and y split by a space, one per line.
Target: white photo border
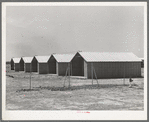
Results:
71 115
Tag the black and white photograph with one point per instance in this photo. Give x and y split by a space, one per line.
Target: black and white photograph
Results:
74 61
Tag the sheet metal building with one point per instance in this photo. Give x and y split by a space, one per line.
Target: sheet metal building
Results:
16 63
27 63
62 61
106 65
42 64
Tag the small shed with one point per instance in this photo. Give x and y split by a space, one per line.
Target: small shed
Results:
42 64
106 64
62 62
27 63
16 64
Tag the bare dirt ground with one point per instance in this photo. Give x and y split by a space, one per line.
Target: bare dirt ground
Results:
48 93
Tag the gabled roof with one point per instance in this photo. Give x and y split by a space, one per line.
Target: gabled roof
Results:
109 57
27 59
42 59
63 57
16 60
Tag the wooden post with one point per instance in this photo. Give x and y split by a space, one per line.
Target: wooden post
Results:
65 76
95 75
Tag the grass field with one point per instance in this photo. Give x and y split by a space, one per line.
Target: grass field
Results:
48 93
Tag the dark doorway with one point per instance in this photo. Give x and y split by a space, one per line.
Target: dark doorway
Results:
12 64
52 65
77 66
21 65
34 65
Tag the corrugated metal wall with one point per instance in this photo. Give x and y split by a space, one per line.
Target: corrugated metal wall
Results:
21 65
115 69
12 64
34 65
43 68
52 65
17 67
27 67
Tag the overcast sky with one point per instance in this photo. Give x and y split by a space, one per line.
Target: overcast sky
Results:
45 30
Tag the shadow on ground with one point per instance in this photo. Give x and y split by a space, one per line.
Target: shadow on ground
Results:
101 86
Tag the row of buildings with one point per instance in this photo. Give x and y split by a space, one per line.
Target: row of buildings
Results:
102 64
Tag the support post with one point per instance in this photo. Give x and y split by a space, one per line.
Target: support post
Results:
65 76
95 76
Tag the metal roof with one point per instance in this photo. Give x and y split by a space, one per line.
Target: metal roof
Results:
42 59
27 59
109 56
16 60
63 57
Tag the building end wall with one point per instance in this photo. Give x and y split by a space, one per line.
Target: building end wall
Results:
17 67
27 67
62 67
43 68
